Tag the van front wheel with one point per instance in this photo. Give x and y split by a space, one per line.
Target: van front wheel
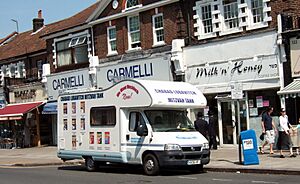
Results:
151 165
90 164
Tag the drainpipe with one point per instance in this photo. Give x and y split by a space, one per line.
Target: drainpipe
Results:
93 63
282 58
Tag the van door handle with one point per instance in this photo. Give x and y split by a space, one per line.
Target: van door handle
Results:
127 137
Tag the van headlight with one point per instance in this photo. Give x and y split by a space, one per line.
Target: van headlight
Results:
172 147
205 146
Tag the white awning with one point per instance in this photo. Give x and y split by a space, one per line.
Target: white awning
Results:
291 90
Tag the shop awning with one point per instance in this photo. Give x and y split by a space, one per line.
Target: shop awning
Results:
291 90
16 111
50 108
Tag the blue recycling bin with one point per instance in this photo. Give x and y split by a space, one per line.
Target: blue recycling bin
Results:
249 145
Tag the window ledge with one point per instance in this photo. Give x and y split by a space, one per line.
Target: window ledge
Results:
113 53
132 8
159 44
133 49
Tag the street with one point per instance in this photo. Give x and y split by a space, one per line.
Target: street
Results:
130 174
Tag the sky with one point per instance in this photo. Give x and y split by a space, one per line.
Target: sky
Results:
25 10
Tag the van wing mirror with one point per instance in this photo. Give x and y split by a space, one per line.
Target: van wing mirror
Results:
142 130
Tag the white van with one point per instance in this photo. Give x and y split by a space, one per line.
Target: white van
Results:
135 122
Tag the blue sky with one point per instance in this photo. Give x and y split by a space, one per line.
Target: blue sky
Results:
25 10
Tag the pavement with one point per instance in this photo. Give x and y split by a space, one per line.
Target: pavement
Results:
225 159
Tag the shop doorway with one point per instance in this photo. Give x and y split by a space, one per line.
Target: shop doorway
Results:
229 113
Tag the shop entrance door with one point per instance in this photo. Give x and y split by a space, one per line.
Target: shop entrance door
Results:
228 120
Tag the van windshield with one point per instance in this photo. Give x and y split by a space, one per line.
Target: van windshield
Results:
169 120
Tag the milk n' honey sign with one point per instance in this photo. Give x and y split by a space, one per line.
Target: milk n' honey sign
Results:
295 57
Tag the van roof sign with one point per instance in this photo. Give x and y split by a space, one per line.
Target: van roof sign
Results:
173 94
145 93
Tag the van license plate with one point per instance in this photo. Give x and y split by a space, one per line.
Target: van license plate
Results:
193 162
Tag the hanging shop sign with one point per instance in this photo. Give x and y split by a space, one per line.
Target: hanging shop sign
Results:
295 57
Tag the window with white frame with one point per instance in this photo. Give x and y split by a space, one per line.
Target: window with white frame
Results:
222 17
21 70
12 68
134 38
230 11
257 10
131 3
158 29
40 68
112 40
206 18
72 51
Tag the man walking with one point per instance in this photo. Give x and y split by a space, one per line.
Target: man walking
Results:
268 128
201 125
212 127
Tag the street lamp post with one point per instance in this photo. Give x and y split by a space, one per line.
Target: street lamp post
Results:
16 24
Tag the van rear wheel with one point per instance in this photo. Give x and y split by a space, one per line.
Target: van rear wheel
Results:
150 165
90 164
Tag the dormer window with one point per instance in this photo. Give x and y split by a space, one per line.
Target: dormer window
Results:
131 3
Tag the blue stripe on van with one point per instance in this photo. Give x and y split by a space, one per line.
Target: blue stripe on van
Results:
140 145
98 156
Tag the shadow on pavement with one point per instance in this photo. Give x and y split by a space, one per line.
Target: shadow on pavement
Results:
128 169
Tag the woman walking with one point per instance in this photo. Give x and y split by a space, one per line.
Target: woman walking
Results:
284 139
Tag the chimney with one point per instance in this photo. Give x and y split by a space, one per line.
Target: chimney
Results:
38 22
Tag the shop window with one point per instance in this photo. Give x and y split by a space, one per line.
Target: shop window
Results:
72 51
134 38
158 29
103 116
112 40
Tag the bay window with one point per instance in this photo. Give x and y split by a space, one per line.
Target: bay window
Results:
72 51
223 17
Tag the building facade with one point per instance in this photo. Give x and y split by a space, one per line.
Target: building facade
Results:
21 58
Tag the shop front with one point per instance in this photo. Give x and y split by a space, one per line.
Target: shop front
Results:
215 68
60 83
20 125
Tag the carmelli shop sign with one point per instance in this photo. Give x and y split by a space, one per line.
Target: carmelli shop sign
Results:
62 82
157 68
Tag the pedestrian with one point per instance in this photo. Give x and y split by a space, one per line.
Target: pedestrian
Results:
212 127
269 129
201 125
297 130
284 131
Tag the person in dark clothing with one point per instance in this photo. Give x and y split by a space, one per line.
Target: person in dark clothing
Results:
201 125
212 127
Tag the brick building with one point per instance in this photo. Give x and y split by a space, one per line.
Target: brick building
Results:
237 45
21 58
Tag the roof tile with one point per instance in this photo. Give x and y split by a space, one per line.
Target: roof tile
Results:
25 43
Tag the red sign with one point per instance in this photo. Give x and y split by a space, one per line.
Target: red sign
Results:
128 93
